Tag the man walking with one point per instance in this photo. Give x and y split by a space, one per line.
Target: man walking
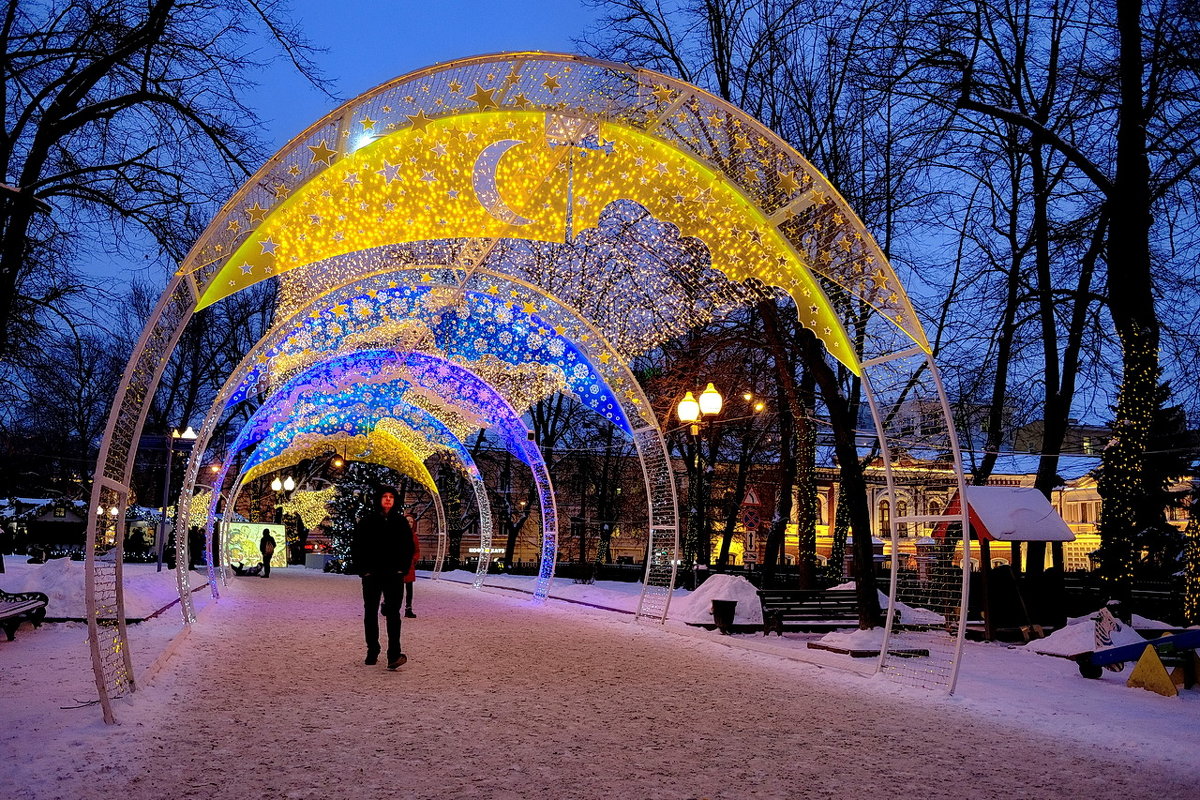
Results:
382 552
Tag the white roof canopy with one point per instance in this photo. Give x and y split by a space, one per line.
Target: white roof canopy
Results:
1011 513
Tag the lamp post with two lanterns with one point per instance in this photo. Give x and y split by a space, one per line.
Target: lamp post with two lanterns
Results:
279 487
692 412
175 443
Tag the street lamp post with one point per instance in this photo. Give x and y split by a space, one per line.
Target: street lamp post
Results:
692 412
175 442
279 487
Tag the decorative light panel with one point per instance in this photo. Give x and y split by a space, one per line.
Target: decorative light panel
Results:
485 149
504 340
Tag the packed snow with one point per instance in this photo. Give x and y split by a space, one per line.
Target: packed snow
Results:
266 696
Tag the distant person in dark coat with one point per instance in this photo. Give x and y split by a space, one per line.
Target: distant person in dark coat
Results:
266 546
382 553
411 577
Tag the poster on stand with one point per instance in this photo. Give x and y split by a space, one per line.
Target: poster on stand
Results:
243 543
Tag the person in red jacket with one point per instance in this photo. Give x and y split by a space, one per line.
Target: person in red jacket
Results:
381 552
411 577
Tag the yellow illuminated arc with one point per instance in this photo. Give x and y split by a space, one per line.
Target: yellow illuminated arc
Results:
764 214
379 447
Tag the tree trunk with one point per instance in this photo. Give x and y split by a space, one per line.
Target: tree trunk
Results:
1131 303
786 404
854 486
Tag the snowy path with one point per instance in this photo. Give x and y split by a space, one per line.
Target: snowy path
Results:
267 697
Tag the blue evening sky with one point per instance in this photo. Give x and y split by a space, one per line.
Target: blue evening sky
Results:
369 43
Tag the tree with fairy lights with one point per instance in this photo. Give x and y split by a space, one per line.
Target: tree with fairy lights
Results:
1154 549
355 492
1191 562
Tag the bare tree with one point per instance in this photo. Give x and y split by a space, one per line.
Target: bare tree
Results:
1120 118
121 120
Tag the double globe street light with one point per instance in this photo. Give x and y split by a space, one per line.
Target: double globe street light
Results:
692 412
176 442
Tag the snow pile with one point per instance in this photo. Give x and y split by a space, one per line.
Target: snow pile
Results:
61 580
1079 636
909 615
856 639
696 608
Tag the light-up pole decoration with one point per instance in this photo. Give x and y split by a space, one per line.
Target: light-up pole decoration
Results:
176 442
692 412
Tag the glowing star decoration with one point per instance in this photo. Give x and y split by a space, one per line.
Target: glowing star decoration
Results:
322 153
312 506
516 189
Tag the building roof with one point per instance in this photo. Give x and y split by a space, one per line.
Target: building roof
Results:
1015 513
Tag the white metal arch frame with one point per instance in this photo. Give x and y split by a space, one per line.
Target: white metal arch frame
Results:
786 207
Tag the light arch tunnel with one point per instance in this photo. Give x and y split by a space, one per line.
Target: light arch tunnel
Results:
641 204
519 339
398 402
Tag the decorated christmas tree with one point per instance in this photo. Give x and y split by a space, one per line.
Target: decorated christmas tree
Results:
353 498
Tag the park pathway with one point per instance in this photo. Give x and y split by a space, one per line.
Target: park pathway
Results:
267 698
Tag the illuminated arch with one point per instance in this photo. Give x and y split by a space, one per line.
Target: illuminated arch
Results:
529 154
378 448
369 392
412 308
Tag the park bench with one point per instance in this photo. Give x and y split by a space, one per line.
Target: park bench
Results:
806 609
1179 650
20 606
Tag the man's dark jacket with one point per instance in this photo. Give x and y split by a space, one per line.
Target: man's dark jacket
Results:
382 545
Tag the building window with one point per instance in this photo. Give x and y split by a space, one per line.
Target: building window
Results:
885 519
902 511
932 423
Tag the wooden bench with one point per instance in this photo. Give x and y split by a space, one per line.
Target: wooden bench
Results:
20 606
805 609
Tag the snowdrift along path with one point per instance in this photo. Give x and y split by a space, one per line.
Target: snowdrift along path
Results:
268 697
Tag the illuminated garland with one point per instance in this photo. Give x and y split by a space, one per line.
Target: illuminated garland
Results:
1191 564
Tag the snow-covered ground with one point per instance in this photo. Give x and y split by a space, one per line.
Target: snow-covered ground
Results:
266 696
